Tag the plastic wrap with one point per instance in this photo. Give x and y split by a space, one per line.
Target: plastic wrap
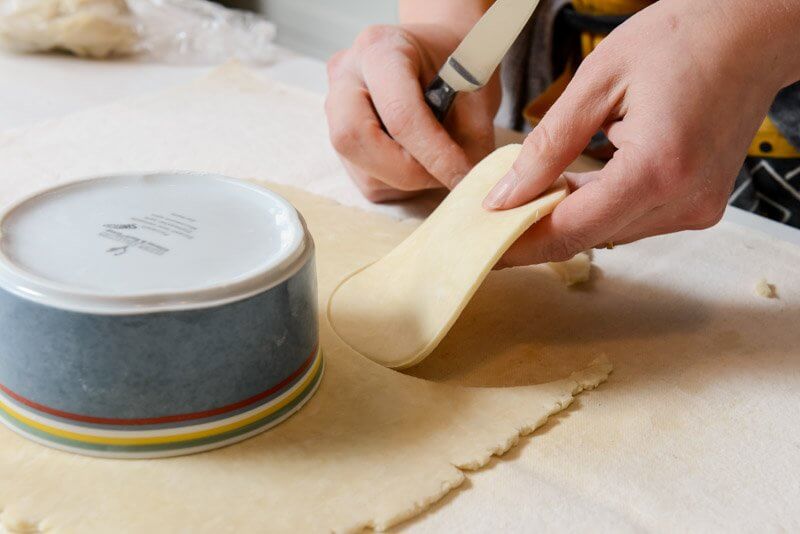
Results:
197 31
171 31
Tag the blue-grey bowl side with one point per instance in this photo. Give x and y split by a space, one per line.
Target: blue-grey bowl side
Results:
161 364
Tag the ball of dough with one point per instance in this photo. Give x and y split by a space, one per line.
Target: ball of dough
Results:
91 28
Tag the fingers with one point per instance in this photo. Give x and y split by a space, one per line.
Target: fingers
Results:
607 202
471 122
397 95
613 205
375 190
560 137
357 136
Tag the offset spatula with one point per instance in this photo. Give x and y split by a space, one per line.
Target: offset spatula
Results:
474 61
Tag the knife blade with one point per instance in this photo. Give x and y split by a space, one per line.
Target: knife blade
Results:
472 64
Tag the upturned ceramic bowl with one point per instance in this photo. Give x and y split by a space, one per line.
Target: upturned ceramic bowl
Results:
155 315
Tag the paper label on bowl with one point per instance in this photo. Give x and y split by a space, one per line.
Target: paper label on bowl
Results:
172 224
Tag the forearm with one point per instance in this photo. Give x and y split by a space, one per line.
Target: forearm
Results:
458 15
780 29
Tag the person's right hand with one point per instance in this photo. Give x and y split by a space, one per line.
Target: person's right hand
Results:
379 81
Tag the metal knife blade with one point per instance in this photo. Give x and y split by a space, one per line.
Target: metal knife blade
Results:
474 61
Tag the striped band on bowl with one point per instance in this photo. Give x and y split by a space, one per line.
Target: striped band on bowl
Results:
153 438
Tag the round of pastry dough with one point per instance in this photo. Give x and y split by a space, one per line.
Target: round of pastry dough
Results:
397 310
91 28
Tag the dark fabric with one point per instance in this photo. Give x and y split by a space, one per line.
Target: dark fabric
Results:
769 187
785 113
528 67
585 22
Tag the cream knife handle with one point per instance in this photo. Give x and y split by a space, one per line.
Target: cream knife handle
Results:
439 96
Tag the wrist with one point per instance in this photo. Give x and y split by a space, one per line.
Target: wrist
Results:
457 16
764 37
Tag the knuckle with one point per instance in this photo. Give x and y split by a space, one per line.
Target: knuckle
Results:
380 193
335 62
345 139
368 186
593 66
397 117
602 75
565 248
541 141
406 182
374 195
440 166
374 34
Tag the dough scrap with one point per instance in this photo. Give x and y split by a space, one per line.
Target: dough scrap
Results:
91 28
373 447
765 289
398 309
576 270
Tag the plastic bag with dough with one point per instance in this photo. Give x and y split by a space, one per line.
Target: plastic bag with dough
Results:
398 309
92 28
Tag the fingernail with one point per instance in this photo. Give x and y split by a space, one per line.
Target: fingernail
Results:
500 192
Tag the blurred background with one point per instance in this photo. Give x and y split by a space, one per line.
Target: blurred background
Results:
319 28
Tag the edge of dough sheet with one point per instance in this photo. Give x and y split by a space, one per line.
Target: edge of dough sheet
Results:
557 192
15 519
586 379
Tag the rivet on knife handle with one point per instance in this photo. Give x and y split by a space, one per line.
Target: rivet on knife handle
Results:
439 96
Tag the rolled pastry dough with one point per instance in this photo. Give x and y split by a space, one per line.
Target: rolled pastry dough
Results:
92 28
372 448
398 309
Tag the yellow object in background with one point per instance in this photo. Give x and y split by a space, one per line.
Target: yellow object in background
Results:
770 143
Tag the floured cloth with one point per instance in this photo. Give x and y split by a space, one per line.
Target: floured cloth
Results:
372 448
695 429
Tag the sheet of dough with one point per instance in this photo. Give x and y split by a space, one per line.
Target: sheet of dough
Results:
372 448
398 309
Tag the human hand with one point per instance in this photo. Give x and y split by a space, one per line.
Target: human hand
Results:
680 90
380 80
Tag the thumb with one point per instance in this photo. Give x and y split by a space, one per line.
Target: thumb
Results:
559 138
